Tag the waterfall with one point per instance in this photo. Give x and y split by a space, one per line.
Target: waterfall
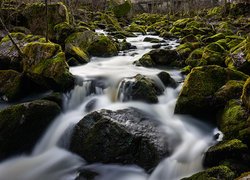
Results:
100 86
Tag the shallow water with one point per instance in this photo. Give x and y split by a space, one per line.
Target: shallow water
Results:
98 88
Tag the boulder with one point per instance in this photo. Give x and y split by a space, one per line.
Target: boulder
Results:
151 40
226 151
166 79
158 57
45 65
196 96
234 122
23 124
35 20
122 9
244 176
218 172
139 88
102 47
231 90
246 94
13 85
133 27
127 136
9 55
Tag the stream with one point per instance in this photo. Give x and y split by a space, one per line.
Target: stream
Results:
98 87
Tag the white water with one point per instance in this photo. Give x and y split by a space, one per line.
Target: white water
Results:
98 88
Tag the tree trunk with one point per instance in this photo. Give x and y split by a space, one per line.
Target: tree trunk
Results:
47 23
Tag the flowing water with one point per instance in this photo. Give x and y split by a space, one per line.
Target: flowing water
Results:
98 87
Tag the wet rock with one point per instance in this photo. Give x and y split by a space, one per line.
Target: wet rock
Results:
133 27
218 172
23 124
158 57
127 136
244 176
196 96
139 88
166 79
152 40
45 65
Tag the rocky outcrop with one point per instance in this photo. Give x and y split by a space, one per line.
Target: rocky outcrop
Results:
21 125
127 136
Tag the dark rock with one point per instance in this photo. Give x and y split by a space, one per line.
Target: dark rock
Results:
166 79
246 94
127 136
23 124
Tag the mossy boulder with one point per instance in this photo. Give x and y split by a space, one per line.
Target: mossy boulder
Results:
139 88
13 85
195 58
122 9
111 22
152 40
35 19
166 79
158 57
196 96
215 38
228 150
9 55
185 49
23 124
45 65
214 173
189 38
181 23
62 31
80 56
234 122
246 94
244 176
103 46
133 27
231 90
126 136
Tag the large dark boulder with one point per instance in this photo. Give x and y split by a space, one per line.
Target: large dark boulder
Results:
200 86
23 124
127 136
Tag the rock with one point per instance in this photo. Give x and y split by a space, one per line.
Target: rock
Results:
246 94
139 88
62 31
23 124
158 57
111 22
35 20
46 66
166 79
122 9
189 38
214 173
186 70
152 40
225 151
231 90
81 56
133 27
185 49
13 85
214 38
56 97
102 47
196 96
195 58
181 23
128 136
234 122
9 56
124 45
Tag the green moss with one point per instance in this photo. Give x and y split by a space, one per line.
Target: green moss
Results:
218 172
145 61
103 47
122 9
195 58
186 70
215 11
189 38
81 56
233 119
181 23
136 28
215 38
111 20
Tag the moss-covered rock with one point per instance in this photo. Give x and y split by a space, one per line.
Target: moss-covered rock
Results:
102 47
246 94
166 79
181 23
234 122
195 58
126 136
45 64
13 85
122 9
158 57
244 176
150 39
185 49
139 88
78 54
23 124
111 21
231 90
215 173
62 31
189 38
196 96
215 38
133 27
225 151
9 55
35 19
